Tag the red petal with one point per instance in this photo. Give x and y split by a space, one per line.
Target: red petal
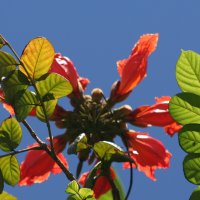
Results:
149 153
155 115
38 164
101 185
173 128
133 69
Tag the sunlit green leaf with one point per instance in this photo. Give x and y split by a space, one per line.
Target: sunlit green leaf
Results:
13 83
80 143
191 168
72 187
86 193
189 138
185 108
10 169
6 196
53 84
109 151
10 134
188 72
7 63
49 108
24 103
195 194
1 183
37 57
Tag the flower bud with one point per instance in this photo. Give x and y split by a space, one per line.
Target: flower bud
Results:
122 112
97 95
117 97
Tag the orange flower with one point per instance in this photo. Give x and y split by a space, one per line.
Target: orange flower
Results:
38 165
133 69
148 153
101 185
155 115
65 67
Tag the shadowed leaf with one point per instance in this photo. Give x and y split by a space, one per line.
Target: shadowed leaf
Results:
189 138
10 170
191 168
10 134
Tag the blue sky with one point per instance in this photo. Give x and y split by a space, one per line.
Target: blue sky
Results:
96 34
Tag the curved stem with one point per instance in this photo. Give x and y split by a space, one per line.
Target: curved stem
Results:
131 169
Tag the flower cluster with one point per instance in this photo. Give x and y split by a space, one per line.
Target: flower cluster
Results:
95 116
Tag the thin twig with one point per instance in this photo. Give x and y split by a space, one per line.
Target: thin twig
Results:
32 133
20 151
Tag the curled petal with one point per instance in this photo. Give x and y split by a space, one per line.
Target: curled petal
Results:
38 165
148 153
65 67
133 69
154 115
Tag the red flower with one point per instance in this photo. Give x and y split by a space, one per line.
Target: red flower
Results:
101 185
155 115
7 106
133 69
148 153
65 67
38 165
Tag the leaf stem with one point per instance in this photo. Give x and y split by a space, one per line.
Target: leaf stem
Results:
11 48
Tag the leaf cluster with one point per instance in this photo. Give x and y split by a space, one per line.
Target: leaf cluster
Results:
185 109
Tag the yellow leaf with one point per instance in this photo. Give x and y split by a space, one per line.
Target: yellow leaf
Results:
37 58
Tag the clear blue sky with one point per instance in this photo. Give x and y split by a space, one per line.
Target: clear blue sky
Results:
96 34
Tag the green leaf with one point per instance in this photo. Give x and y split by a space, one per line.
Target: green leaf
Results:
86 193
185 108
24 103
80 143
6 196
107 195
10 134
188 72
191 168
49 107
1 183
119 186
195 194
189 138
7 60
53 84
10 169
13 83
2 43
37 58
72 187
109 151
7 63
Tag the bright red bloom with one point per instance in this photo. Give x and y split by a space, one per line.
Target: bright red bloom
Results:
101 185
38 165
65 67
148 153
133 69
155 115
